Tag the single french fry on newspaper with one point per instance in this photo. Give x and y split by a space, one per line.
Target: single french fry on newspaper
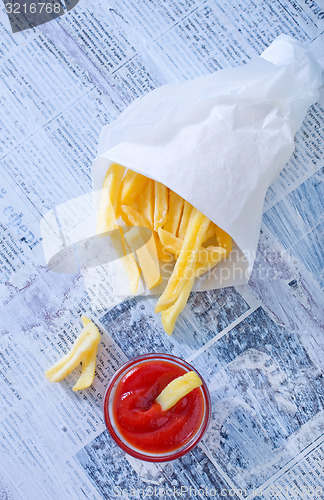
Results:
161 204
187 207
174 214
53 373
147 256
223 239
184 266
146 202
88 370
109 202
84 333
84 350
131 187
85 320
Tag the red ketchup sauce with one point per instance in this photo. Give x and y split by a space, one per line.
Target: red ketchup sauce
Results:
141 421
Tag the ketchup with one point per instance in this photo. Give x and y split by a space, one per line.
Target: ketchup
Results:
141 421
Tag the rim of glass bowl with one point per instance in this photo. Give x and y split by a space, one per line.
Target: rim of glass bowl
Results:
122 443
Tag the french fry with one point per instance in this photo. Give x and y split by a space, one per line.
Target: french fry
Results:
146 202
132 185
87 371
210 232
52 372
177 389
184 219
223 239
161 204
178 230
83 350
170 242
85 320
89 365
133 217
204 255
174 215
184 267
147 256
162 251
134 204
130 265
211 255
109 203
170 316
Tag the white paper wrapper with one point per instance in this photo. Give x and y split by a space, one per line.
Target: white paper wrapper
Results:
220 140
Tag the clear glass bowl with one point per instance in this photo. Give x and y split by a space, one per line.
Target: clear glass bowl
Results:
118 437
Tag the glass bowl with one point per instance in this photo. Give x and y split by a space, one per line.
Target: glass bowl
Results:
137 452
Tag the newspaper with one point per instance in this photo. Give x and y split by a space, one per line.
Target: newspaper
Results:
259 347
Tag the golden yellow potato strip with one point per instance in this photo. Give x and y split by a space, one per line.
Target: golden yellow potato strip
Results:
88 371
177 389
130 265
132 185
170 316
146 202
147 256
184 267
134 204
210 233
51 372
132 217
84 344
184 219
85 320
223 239
174 215
109 203
212 255
161 204
171 243
163 253
205 255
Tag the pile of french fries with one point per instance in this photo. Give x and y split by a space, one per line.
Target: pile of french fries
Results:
180 233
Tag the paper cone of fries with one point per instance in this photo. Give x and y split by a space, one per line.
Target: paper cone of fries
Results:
219 141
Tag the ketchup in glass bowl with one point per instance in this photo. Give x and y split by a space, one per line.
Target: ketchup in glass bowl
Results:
137 422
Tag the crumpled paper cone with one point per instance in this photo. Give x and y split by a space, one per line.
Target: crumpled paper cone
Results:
220 140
